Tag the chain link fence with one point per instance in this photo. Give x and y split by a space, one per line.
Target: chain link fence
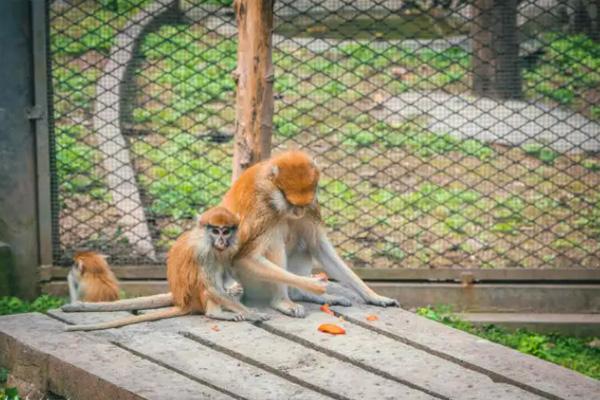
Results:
462 134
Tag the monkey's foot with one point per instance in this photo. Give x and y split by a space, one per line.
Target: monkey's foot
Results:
330 299
382 301
226 316
257 317
289 308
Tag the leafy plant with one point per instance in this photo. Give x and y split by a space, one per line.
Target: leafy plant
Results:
9 394
591 164
541 152
14 305
568 69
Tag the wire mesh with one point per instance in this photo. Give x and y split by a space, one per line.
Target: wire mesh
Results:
461 134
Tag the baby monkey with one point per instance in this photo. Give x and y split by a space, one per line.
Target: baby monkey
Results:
90 279
198 264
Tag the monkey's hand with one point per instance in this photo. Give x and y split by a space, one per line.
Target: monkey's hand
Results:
316 285
382 301
235 290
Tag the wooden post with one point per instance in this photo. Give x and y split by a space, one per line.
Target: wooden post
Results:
254 75
495 63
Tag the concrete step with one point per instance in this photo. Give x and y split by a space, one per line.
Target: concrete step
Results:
496 298
569 324
478 297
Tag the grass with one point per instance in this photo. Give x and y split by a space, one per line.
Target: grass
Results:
14 305
187 74
394 193
568 72
570 352
7 393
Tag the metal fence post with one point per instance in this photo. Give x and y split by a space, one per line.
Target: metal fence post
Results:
18 164
44 148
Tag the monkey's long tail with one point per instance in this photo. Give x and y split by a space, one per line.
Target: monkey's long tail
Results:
138 303
136 319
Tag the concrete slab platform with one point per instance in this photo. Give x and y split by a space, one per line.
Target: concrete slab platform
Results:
400 355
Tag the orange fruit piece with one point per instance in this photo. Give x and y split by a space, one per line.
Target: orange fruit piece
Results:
325 309
215 328
332 329
372 317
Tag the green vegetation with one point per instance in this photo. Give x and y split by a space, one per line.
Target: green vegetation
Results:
7 393
76 161
571 352
182 116
568 71
384 26
412 137
541 152
186 175
92 26
14 305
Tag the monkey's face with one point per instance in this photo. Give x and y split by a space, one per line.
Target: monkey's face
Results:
283 205
221 237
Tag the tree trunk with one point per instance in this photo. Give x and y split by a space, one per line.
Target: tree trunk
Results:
495 63
254 75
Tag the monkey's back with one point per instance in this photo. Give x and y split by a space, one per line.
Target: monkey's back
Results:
183 275
100 287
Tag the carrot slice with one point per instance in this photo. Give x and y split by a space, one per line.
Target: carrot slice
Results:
372 317
332 329
325 309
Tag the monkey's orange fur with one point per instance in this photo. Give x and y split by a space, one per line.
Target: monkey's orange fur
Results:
96 277
183 276
193 266
281 226
219 216
187 279
296 175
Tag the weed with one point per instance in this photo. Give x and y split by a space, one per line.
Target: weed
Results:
541 152
14 305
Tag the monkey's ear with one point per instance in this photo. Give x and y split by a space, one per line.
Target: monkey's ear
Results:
314 163
79 264
273 172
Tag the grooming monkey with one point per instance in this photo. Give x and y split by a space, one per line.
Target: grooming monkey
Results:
281 227
197 265
90 279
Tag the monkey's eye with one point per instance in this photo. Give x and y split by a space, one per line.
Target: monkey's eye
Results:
226 231
215 231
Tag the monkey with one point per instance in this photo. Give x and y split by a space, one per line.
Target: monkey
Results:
91 279
281 227
197 265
